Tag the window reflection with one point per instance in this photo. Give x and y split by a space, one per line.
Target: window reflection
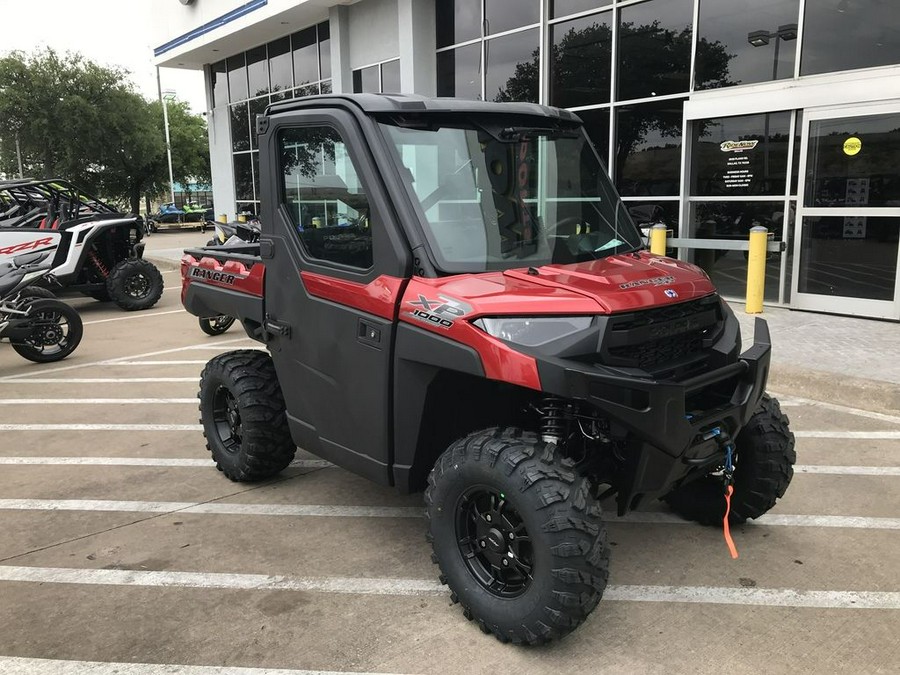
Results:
237 77
511 67
219 76
849 34
459 72
243 176
324 32
560 8
596 123
258 71
503 15
306 62
240 127
580 61
655 48
729 54
457 21
280 64
648 149
743 155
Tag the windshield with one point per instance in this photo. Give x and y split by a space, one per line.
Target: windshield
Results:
504 197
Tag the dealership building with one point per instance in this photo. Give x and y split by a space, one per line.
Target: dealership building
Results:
712 116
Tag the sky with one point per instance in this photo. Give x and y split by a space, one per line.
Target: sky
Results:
110 32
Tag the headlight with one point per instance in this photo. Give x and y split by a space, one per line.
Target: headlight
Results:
533 331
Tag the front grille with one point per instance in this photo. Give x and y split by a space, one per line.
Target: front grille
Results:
671 341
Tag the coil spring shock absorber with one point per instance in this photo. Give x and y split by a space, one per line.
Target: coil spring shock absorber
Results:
553 419
103 269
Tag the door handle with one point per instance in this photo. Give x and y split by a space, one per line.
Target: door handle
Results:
368 333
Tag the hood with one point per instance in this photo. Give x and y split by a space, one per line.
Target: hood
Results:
619 283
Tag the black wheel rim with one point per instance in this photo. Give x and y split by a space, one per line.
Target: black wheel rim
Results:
137 285
49 333
222 323
493 542
227 419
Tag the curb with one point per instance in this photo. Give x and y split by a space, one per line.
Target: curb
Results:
164 264
854 392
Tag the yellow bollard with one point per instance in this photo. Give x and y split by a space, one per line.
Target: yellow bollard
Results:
756 270
658 239
223 218
242 218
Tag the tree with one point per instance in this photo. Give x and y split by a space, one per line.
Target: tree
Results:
84 122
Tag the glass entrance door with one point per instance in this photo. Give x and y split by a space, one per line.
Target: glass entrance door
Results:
846 251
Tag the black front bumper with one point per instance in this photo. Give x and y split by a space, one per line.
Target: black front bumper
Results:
674 428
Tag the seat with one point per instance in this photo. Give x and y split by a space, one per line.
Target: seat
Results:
9 281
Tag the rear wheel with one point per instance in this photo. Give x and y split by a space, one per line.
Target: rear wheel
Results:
763 468
216 325
55 329
517 535
243 416
134 284
34 292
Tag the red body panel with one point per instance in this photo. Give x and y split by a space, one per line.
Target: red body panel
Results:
231 274
378 297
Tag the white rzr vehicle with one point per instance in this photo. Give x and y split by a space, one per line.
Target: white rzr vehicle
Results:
39 327
98 250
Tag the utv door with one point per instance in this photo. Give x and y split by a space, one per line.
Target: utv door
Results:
333 282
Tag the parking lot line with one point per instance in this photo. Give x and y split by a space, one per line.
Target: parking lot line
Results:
337 511
136 315
95 401
795 402
195 362
97 380
771 597
142 461
19 664
848 470
100 427
871 435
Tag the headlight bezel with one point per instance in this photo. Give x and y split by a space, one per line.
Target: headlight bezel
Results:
534 331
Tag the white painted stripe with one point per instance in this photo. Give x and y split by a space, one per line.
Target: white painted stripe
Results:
848 470
794 401
773 597
140 461
327 510
217 508
134 357
249 345
869 435
101 427
29 666
95 401
99 380
158 363
135 315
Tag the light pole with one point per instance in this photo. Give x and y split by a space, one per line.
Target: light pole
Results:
760 38
164 98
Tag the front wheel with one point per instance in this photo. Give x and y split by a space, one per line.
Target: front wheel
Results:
517 535
243 416
216 325
134 284
54 331
763 467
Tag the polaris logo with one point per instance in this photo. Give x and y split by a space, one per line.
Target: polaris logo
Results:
212 275
670 293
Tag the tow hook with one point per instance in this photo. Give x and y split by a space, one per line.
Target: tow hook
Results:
724 440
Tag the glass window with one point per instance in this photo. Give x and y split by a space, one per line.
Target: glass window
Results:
459 72
596 123
326 86
580 61
852 162
741 42
648 149
280 75
560 8
503 15
481 209
457 21
325 197
849 34
653 212
390 76
306 60
744 155
308 90
237 78
365 81
240 127
324 50
511 67
257 107
218 74
254 156
258 71
655 49
243 176
731 221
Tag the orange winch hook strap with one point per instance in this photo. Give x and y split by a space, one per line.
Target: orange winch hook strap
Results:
727 529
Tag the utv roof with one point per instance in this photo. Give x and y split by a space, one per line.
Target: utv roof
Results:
411 103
